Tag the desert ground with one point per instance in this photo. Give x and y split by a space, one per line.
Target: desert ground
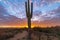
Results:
36 34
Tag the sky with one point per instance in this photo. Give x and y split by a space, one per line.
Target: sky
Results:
45 13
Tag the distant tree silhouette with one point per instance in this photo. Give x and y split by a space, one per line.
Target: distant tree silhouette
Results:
29 16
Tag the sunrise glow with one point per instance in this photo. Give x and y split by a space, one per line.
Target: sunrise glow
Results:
46 13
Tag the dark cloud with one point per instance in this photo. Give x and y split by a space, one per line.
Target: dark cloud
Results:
53 14
47 2
37 13
51 1
56 12
39 16
6 19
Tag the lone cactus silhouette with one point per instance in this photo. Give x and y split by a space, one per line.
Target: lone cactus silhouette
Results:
29 13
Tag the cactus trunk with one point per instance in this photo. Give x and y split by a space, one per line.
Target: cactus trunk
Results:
29 29
29 23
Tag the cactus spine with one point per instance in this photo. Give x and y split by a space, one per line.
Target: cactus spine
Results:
29 11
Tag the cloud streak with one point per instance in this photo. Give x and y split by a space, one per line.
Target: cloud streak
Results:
15 11
46 16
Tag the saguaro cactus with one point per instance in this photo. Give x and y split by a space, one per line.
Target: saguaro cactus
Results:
29 11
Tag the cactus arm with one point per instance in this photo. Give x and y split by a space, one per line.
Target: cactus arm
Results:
31 9
26 9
